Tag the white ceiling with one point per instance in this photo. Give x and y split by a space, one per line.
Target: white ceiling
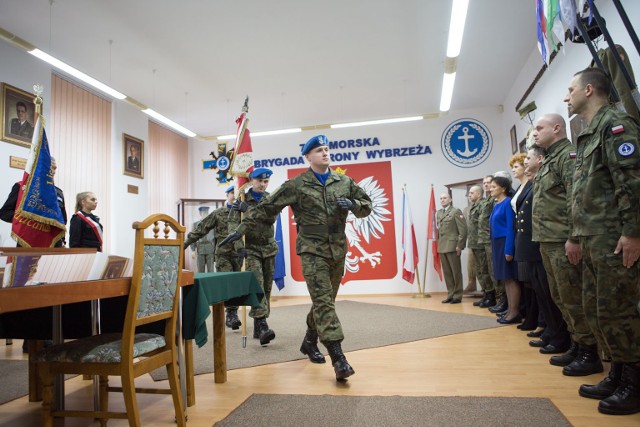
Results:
302 63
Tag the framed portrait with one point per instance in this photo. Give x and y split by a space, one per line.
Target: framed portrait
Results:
116 266
18 115
514 140
577 124
133 149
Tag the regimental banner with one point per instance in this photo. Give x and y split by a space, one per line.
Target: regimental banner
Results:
371 241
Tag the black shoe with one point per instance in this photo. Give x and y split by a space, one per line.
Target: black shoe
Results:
265 334
587 362
340 365
489 300
552 349
232 320
535 334
502 313
309 347
512 321
477 303
500 306
604 388
455 301
537 343
567 357
626 399
447 301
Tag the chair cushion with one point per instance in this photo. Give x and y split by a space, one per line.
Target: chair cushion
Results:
103 348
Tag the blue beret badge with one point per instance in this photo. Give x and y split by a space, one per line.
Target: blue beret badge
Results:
314 142
228 190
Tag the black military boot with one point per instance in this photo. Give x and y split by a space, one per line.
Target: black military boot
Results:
256 328
477 303
340 364
232 319
626 399
264 333
587 362
567 357
502 305
604 388
310 347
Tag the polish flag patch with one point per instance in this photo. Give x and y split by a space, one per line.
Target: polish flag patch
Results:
617 129
572 154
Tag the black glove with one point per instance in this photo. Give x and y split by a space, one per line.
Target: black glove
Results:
232 237
345 204
242 253
240 206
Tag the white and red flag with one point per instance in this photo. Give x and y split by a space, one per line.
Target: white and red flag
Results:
242 163
409 243
432 234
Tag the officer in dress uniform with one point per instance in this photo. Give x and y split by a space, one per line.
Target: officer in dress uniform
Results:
226 258
452 238
321 200
606 220
205 247
259 249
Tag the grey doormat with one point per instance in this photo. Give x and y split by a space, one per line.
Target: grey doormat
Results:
343 411
365 325
15 379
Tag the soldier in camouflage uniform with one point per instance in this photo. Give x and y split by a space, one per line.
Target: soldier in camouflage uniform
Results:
492 290
552 228
479 256
204 248
606 219
321 200
226 258
259 249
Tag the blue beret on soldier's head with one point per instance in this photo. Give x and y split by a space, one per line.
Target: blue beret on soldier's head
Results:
314 142
261 173
203 208
230 189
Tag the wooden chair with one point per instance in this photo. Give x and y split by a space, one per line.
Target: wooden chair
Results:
153 297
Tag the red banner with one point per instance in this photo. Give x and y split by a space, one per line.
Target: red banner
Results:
371 252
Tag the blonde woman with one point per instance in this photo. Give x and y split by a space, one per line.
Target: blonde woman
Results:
85 230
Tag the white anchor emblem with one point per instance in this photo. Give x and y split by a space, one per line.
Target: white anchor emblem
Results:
626 149
467 137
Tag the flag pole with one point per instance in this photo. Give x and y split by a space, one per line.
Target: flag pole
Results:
424 270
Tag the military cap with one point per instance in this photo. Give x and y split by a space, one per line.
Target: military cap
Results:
228 190
203 208
314 142
261 173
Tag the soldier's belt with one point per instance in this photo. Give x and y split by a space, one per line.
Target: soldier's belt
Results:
320 229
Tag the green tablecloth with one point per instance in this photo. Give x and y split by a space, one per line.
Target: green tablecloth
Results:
236 288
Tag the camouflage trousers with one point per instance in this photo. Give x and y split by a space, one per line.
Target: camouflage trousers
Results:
205 262
323 277
565 285
611 294
263 269
225 263
482 269
493 284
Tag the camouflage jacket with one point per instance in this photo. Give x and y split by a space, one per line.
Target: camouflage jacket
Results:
216 221
320 221
472 225
551 212
206 245
606 183
259 240
485 207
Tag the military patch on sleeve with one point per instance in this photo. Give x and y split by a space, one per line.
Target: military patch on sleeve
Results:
572 154
617 129
626 149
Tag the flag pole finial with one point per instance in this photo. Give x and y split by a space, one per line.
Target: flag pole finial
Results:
38 89
245 107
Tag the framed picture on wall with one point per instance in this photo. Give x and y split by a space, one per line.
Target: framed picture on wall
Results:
514 140
133 149
18 115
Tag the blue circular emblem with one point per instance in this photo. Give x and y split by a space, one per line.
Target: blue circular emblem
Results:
466 143
626 149
223 163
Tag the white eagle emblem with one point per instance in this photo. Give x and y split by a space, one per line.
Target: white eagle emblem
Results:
365 228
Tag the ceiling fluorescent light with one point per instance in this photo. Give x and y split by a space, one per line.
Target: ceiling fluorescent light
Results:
456 27
159 117
376 122
263 133
77 74
448 82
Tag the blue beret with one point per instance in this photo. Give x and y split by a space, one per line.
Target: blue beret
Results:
261 173
203 208
228 190
314 142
